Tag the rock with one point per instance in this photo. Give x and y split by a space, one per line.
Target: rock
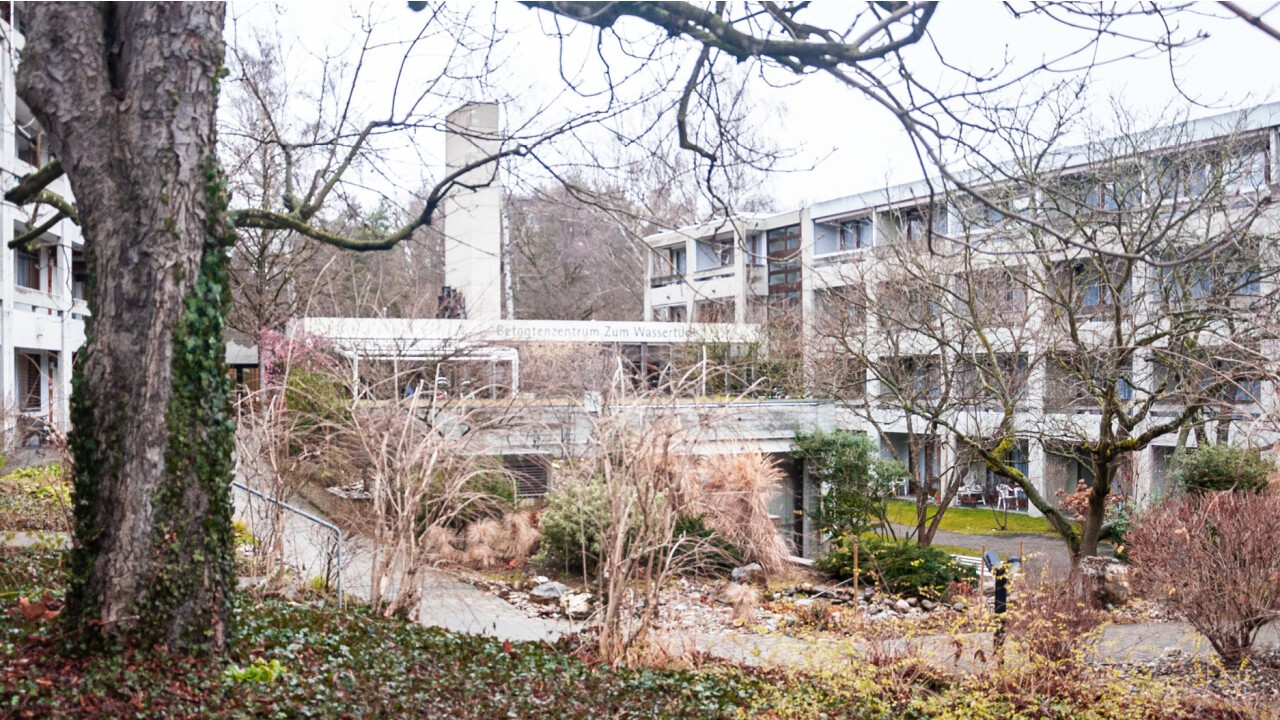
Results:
752 573
804 602
823 590
902 606
577 606
1108 578
541 579
548 593
913 601
960 606
806 587
928 605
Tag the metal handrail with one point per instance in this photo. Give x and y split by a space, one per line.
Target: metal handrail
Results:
317 520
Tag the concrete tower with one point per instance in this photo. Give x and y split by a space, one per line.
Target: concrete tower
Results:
472 216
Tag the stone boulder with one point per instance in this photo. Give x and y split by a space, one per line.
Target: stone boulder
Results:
752 574
576 606
549 593
1107 579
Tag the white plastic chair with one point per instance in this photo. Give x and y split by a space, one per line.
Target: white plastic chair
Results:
974 490
1007 498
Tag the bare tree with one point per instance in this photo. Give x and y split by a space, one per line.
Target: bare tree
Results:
571 261
1152 323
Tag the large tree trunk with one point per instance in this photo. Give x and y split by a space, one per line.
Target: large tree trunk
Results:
128 94
1095 517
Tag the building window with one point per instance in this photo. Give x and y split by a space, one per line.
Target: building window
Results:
670 264
724 252
1016 459
840 310
1097 288
26 269
785 278
854 235
715 311
1248 170
79 276
27 377
671 313
29 137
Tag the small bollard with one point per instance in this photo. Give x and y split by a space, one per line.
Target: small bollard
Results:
1000 572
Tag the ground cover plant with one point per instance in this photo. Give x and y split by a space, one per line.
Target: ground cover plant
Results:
899 566
297 659
36 498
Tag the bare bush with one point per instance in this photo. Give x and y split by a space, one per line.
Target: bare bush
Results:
638 462
1052 622
1214 559
519 538
425 472
735 498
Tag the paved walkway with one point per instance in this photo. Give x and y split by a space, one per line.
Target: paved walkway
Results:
22 539
446 602
1138 643
1040 552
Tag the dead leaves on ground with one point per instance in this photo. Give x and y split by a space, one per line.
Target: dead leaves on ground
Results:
42 610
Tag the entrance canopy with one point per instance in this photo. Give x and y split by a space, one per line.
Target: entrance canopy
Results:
430 337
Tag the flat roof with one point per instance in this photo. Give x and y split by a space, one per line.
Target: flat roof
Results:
424 336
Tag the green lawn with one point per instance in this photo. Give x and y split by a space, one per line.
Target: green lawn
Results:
957 550
971 521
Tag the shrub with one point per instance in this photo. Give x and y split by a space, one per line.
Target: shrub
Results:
571 524
901 567
1213 557
858 482
735 497
317 402
701 549
1220 467
1052 622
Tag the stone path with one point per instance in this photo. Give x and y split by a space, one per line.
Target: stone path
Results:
1137 643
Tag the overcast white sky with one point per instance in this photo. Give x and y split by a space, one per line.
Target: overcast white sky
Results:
843 144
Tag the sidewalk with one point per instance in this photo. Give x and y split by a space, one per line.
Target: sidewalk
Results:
1041 552
446 603
21 539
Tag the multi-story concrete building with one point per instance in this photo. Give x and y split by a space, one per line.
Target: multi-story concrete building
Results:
42 285
1126 288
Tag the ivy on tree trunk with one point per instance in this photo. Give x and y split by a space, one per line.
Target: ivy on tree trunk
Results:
127 94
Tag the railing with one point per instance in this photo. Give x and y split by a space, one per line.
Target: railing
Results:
337 531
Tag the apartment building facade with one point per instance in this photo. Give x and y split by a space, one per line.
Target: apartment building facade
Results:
1124 291
42 285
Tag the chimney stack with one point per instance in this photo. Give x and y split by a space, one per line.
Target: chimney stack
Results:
472 213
